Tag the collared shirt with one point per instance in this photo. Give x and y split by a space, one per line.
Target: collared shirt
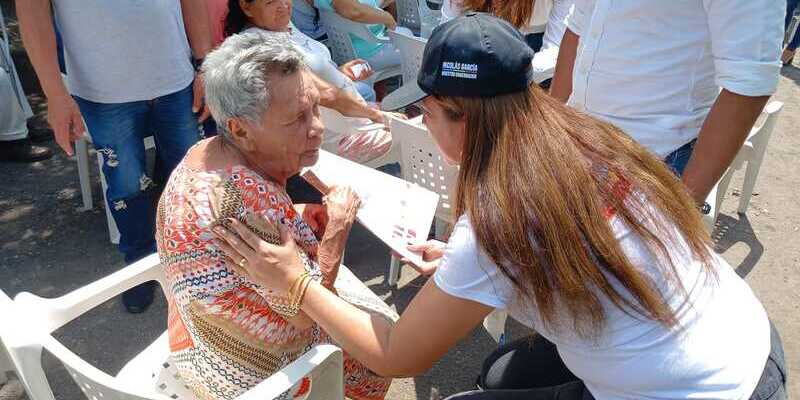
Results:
544 61
655 67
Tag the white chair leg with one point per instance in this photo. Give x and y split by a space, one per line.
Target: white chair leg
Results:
750 176
82 156
394 271
113 232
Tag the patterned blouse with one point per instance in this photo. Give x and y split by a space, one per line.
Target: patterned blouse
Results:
224 338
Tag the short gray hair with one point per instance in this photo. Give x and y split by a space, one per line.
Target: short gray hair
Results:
237 75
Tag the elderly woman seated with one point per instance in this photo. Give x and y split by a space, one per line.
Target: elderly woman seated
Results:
226 332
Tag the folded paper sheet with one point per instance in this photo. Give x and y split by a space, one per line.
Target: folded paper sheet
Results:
397 212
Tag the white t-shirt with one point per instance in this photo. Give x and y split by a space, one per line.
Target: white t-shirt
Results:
541 11
720 354
122 51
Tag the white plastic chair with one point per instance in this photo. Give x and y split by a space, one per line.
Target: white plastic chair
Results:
6 363
337 125
408 14
417 16
752 153
149 375
339 30
16 346
423 164
429 18
411 49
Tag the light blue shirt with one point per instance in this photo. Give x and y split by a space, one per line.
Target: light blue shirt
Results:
305 18
362 48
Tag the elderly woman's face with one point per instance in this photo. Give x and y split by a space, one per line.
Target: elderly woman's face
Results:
291 130
272 15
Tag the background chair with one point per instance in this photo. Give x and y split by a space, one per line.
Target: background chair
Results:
752 153
411 49
339 30
149 375
423 164
417 16
428 17
408 15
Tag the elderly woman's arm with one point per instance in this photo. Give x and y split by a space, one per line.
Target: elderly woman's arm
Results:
342 204
345 102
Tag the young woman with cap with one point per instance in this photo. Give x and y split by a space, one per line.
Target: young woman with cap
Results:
570 226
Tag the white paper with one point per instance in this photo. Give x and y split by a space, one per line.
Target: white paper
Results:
398 212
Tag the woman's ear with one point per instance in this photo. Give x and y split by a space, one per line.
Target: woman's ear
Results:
239 134
245 6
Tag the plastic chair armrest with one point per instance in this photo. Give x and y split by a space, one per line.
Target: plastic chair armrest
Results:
61 310
326 359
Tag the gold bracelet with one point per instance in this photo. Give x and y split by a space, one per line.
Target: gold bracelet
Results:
301 295
296 285
288 308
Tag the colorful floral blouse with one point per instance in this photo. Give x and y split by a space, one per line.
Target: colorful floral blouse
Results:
224 338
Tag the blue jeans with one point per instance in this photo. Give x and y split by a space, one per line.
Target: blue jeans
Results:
118 131
791 6
678 159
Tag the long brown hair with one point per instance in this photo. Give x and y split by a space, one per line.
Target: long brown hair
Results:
539 181
517 12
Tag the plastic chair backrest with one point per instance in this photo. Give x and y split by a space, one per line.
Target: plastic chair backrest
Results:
423 164
429 18
339 30
408 14
411 49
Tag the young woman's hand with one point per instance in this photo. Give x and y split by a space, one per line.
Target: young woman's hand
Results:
271 266
432 251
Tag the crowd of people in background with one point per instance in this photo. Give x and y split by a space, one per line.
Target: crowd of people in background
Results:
643 102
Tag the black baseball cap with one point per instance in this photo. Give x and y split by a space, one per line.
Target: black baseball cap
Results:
475 55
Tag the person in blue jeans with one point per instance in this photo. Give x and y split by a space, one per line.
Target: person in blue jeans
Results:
794 41
130 75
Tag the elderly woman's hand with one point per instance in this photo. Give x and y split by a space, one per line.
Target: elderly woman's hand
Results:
342 203
271 266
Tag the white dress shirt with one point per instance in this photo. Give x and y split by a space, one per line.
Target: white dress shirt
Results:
544 61
655 67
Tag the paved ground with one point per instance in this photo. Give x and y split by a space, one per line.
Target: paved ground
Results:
48 247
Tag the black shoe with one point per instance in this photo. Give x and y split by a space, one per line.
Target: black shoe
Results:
23 151
39 135
137 300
